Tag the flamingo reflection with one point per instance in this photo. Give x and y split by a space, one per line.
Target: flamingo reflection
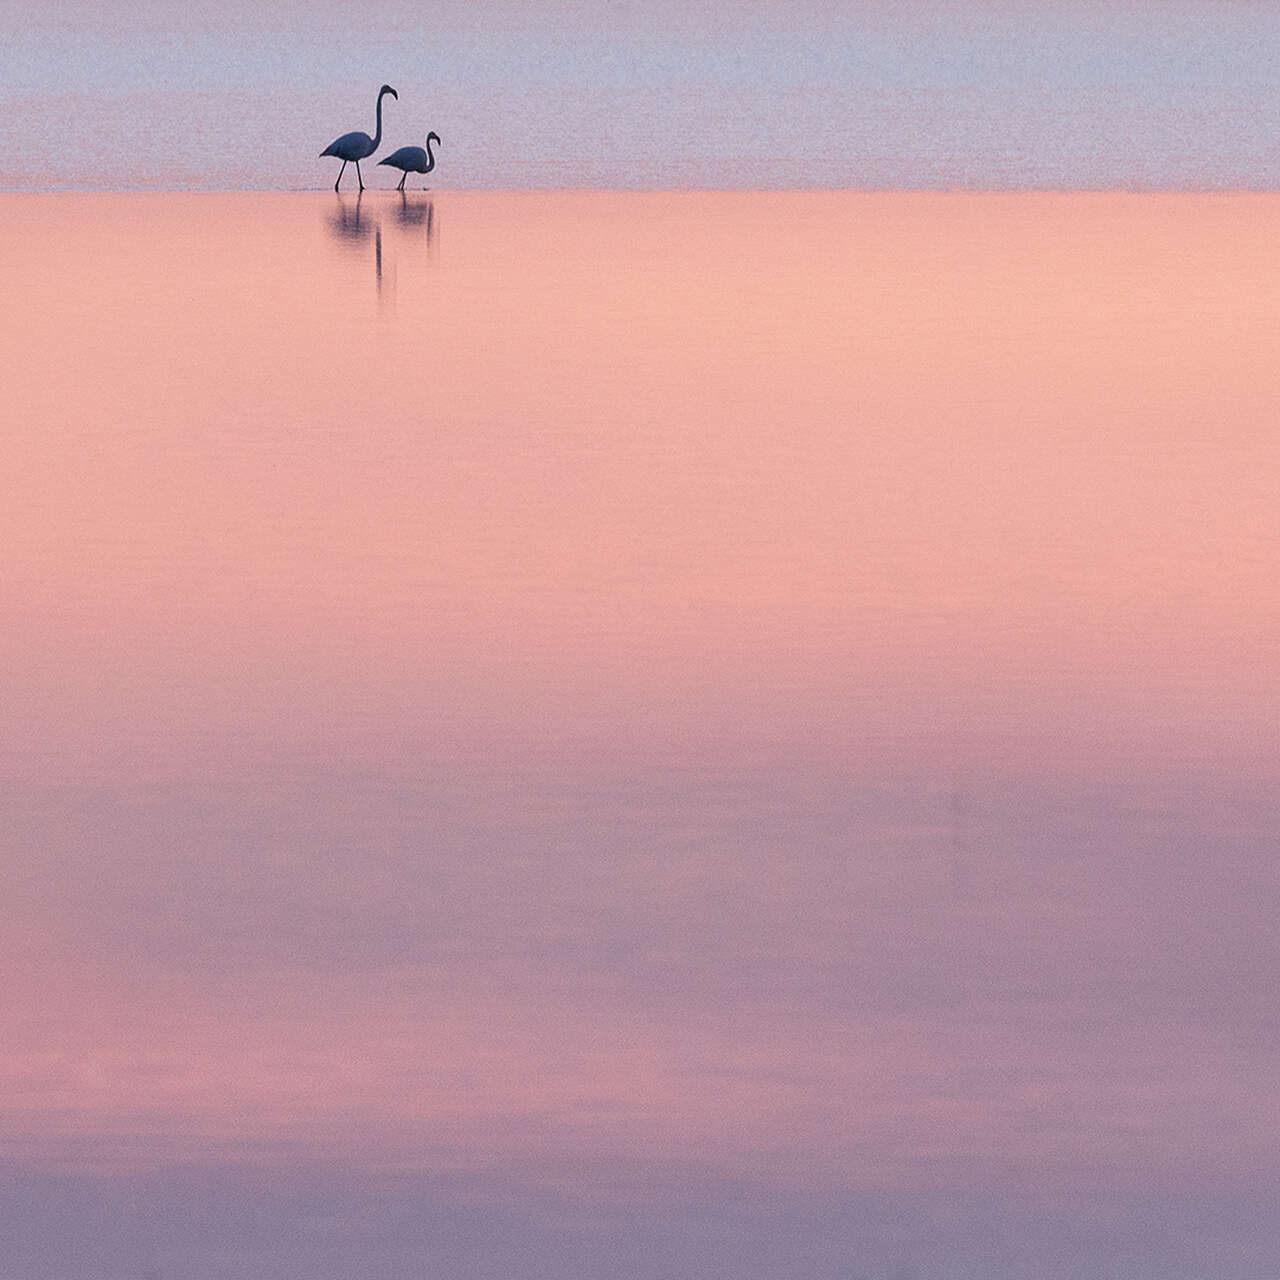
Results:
353 224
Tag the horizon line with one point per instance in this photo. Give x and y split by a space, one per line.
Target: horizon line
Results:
810 189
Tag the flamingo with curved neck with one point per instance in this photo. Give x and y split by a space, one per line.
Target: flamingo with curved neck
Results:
358 146
413 159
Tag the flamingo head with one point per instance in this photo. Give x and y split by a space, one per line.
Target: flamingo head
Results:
433 136
386 88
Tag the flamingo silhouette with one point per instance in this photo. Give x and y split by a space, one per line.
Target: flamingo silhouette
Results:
413 159
358 146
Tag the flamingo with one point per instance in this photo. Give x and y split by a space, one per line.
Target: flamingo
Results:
358 146
413 159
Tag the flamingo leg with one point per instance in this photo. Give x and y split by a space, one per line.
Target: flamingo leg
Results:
340 173
403 176
358 177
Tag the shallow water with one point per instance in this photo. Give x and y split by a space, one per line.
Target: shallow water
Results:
610 700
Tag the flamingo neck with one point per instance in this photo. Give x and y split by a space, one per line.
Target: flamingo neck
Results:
377 137
431 159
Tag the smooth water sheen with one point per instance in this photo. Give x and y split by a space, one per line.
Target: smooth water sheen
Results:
722 735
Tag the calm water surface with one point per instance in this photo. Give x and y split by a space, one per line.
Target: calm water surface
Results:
742 725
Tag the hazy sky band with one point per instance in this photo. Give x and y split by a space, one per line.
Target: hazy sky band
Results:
783 94
170 46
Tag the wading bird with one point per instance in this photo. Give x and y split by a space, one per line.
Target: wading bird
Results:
413 159
358 146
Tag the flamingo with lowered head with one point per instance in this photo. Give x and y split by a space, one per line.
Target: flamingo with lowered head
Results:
358 146
413 159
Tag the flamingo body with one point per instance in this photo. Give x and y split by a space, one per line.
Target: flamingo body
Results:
351 146
357 146
413 159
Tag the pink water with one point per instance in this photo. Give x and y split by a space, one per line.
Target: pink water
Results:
597 686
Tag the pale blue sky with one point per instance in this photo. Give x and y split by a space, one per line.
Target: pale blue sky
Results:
788 94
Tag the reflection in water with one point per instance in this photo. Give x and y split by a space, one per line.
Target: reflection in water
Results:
353 223
414 213
347 224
